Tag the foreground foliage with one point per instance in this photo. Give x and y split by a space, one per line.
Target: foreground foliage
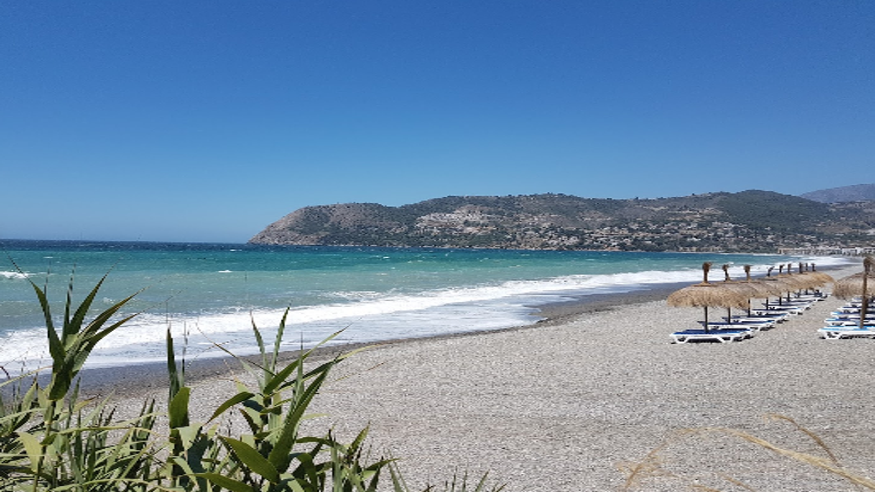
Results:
51 439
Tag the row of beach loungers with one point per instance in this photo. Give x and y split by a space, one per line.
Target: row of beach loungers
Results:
742 327
845 323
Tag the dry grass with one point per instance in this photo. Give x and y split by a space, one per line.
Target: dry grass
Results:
654 466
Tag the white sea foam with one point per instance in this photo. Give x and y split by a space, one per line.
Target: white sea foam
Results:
13 275
366 316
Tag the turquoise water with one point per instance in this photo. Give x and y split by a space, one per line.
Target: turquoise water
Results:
212 291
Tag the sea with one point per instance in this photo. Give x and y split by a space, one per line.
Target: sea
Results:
211 295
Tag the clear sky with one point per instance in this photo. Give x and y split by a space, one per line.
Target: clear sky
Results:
208 120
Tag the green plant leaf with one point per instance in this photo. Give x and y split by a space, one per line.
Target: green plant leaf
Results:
178 409
250 457
279 339
31 446
225 482
280 456
238 398
71 326
173 372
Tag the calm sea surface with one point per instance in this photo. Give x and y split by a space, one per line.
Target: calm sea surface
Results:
211 292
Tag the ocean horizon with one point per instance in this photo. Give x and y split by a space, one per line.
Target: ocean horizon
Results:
210 294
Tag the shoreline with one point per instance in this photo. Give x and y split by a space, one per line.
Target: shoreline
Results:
562 404
145 376
141 378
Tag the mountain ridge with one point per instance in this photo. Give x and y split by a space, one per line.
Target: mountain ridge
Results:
751 221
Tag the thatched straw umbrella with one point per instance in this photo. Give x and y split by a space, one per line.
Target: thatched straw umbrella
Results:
790 282
824 278
753 288
812 279
859 284
760 288
797 281
777 285
707 294
748 288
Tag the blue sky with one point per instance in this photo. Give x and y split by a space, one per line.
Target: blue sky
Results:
207 120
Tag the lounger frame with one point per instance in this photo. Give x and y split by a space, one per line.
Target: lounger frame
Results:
722 336
839 332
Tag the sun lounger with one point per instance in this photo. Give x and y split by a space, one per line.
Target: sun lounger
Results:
844 311
723 336
751 323
799 304
841 322
838 332
850 316
809 297
777 317
771 320
780 309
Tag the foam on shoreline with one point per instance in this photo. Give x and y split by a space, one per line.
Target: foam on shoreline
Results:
559 404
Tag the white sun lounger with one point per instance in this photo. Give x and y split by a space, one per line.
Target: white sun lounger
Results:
830 322
809 297
777 317
751 324
722 336
779 309
839 319
793 304
846 315
853 314
757 320
837 332
850 309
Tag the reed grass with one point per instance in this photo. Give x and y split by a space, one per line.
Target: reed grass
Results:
655 466
52 439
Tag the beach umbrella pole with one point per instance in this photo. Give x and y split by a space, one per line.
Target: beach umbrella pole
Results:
865 305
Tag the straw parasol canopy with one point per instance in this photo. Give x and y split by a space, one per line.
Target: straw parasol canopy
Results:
778 285
706 295
793 282
811 270
811 279
774 285
749 287
858 284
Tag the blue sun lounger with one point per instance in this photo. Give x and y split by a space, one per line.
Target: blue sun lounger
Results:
833 322
779 310
777 317
838 332
751 326
718 335
755 323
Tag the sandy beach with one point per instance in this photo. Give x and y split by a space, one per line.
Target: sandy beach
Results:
561 405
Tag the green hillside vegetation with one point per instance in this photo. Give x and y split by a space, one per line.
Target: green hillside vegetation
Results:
765 209
756 221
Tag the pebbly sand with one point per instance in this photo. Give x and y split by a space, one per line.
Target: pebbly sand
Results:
561 405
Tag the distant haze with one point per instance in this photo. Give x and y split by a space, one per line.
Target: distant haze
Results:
854 193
